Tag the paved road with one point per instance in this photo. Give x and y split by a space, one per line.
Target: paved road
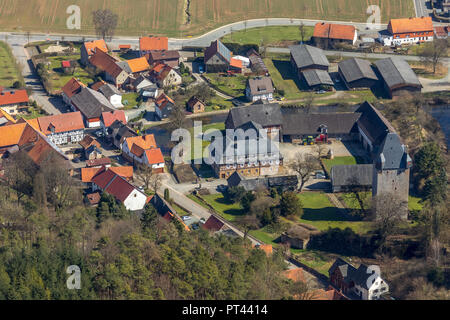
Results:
421 8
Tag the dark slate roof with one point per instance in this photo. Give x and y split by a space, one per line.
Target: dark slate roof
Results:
251 184
316 77
260 85
360 276
256 63
283 181
109 90
91 103
296 122
266 115
213 224
217 47
356 69
124 66
374 125
392 154
251 125
352 175
397 72
305 56
344 267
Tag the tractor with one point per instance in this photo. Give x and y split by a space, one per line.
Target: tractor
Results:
308 141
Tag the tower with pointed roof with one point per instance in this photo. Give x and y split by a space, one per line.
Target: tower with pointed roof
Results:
391 170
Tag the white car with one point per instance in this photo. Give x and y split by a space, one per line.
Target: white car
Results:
186 218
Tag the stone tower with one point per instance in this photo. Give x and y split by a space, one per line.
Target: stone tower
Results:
391 170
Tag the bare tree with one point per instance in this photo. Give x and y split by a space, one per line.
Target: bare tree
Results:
360 192
433 53
145 173
177 116
105 22
304 166
302 30
308 102
248 222
387 211
156 182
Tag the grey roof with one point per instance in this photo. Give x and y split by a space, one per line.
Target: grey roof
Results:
356 69
305 56
251 184
360 276
256 62
296 122
392 154
266 115
91 103
217 47
124 66
397 72
109 90
352 175
260 85
251 125
374 125
344 267
316 77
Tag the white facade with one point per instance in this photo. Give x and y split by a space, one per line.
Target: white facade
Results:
116 100
135 201
378 287
154 166
390 41
66 137
93 124
256 97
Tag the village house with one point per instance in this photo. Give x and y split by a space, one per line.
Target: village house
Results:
62 128
326 34
304 57
195 105
213 224
148 44
442 32
123 191
296 236
14 101
357 73
112 71
165 76
118 132
91 104
6 118
143 150
398 77
259 88
359 283
164 106
109 117
98 163
408 31
87 174
144 87
168 57
346 178
135 67
88 49
112 94
218 58
71 88
91 148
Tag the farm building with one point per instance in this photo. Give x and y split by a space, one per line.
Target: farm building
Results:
91 104
195 105
257 64
408 31
90 47
317 79
398 77
326 34
345 178
110 67
169 57
296 236
72 87
112 94
259 88
219 59
357 73
304 57
283 183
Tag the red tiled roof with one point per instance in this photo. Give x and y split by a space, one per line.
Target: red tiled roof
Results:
103 179
98 162
110 117
145 142
97 85
65 64
213 224
120 188
87 174
137 150
334 31
295 275
153 43
63 122
124 171
88 141
154 156
236 63
162 100
124 46
92 45
94 198
138 64
72 87
13 97
421 24
106 63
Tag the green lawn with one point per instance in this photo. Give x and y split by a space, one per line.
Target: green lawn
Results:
231 85
319 212
58 78
195 139
228 211
9 70
131 98
413 203
269 36
218 103
340 161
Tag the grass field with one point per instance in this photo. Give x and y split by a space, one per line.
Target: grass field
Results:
139 17
269 36
9 70
341 160
233 86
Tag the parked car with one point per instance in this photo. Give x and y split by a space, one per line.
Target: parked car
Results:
202 220
237 103
186 218
195 226
320 91
320 175
99 133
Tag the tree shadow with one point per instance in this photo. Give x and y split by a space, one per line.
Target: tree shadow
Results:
286 71
328 214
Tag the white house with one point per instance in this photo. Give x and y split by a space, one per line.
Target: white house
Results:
143 149
259 88
408 31
124 192
372 291
112 94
